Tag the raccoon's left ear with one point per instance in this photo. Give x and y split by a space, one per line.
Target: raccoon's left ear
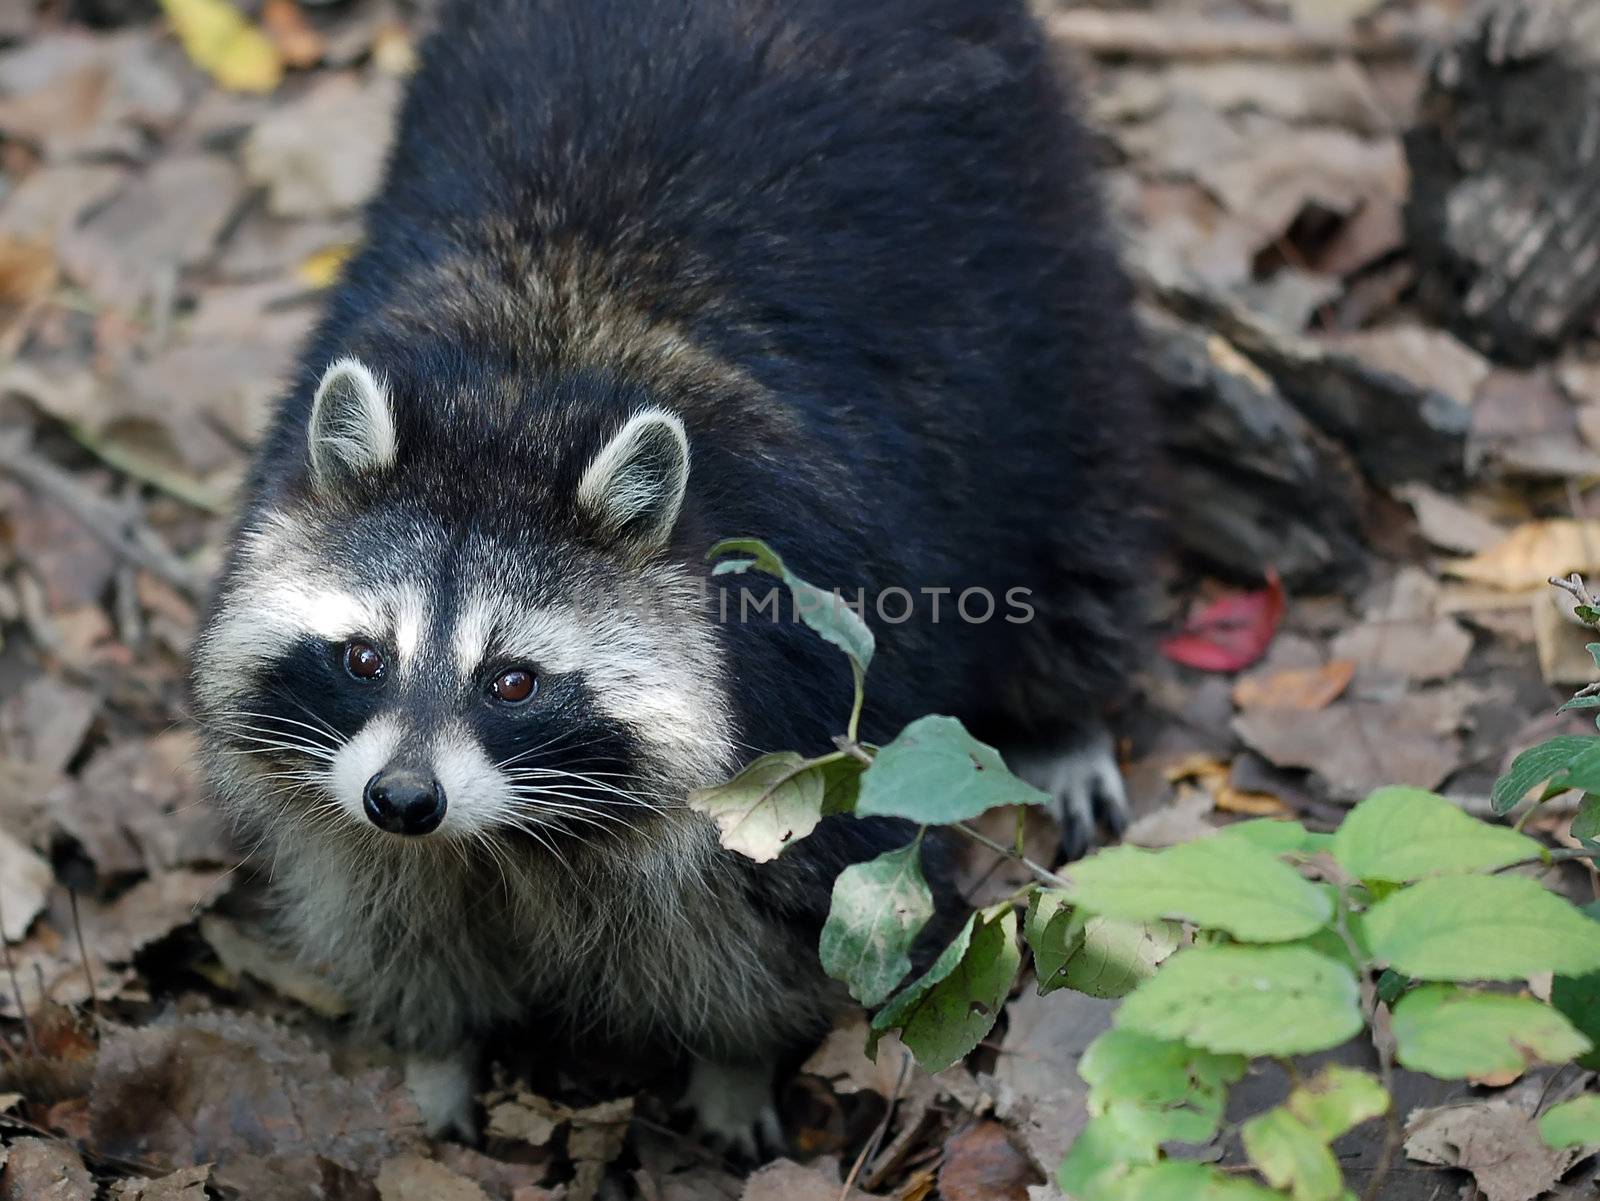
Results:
634 487
351 431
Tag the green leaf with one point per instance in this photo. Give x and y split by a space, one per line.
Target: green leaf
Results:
1158 1089
1574 1123
1481 928
1457 1034
1222 883
1337 1099
1114 956
775 801
1106 1149
1536 765
1581 702
898 1010
1181 1180
1392 985
1053 935
1586 825
1403 834
935 773
824 612
1281 836
1251 1000
841 784
1290 1155
879 908
952 1016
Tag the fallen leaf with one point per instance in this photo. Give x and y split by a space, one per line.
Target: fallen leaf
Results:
527 1118
981 1163
1184 820
785 1180
1308 688
167 219
1358 746
1253 804
321 268
324 153
413 1178
1533 552
220 41
242 953
1231 633
44 1170
1493 1139
25 881
248 1096
1448 523
1404 635
1429 358
298 43
27 270
186 1184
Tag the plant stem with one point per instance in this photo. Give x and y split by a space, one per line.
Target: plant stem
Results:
855 707
1385 1052
1042 873
1551 858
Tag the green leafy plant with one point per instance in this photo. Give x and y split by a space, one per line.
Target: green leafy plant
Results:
1265 940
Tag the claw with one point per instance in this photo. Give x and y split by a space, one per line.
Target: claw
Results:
1086 786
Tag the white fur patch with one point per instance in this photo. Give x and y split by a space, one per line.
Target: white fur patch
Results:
443 1091
358 760
351 430
733 1104
639 477
475 792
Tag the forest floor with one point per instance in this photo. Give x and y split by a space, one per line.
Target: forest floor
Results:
163 244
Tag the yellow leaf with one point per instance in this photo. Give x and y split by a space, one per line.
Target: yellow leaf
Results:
219 40
1532 553
321 268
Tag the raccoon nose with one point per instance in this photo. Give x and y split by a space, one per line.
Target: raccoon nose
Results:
404 802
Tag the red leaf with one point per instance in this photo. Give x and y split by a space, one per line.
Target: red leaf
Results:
1232 633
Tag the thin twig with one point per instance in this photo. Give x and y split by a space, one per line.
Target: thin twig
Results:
1392 1134
109 522
16 985
1042 873
873 1143
83 954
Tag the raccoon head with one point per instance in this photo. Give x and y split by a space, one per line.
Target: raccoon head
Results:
448 632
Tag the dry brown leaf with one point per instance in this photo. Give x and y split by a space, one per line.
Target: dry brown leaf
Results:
1533 552
324 153
1184 820
27 269
1250 804
44 1170
249 1096
1296 688
1357 746
413 1178
186 1184
1496 1141
1404 634
527 1118
785 1180
298 43
1447 523
243 953
981 1163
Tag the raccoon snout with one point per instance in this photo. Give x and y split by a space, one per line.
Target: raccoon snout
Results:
403 801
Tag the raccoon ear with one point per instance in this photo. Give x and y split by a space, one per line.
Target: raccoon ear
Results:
634 487
351 432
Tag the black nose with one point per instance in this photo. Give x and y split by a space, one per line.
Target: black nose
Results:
404 802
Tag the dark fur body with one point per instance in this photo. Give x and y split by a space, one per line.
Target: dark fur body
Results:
857 248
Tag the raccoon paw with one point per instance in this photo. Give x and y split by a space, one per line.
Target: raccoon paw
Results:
733 1108
1086 786
443 1092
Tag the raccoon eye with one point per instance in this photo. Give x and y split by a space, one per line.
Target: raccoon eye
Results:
363 660
513 686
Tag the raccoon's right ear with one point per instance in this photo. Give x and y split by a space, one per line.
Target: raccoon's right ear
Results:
351 432
633 489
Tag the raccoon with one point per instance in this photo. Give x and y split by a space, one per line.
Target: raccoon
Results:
643 276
